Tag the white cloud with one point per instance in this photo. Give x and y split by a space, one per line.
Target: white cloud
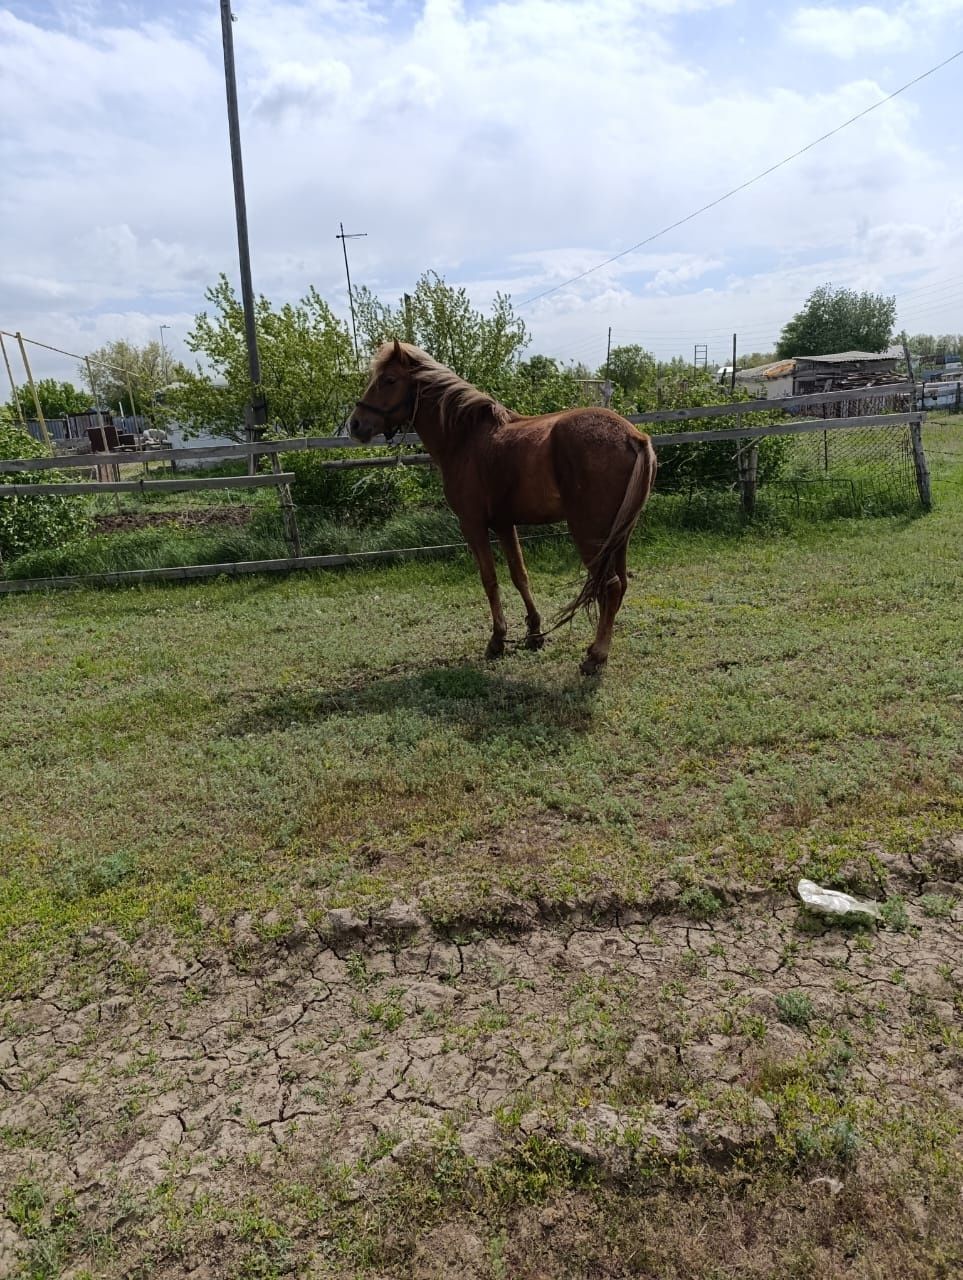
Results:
850 33
292 89
507 145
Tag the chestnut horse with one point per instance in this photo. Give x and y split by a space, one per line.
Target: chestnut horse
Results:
588 467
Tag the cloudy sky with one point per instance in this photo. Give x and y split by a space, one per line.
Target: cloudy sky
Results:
508 145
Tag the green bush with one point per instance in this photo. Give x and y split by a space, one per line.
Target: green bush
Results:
709 464
358 495
32 522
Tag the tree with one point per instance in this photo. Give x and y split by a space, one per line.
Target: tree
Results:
57 399
935 344
540 385
308 373
755 359
122 368
629 368
838 319
442 321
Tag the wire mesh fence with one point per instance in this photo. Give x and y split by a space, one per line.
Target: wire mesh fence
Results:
822 474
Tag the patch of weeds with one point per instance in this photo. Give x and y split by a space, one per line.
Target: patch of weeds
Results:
894 915
835 1143
74 880
508 1116
754 1027
490 1019
267 1256
701 904
496 1256
389 1012
357 970
938 906
692 963
53 1231
795 1008
377 1148
533 1171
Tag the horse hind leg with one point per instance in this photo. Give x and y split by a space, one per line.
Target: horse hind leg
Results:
614 591
516 567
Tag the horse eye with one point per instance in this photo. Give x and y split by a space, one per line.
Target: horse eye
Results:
389 379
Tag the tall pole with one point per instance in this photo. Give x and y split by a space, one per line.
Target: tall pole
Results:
33 390
607 385
732 384
409 320
256 414
93 392
354 235
916 434
130 394
163 353
13 385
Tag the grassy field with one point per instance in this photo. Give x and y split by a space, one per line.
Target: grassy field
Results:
176 760
773 703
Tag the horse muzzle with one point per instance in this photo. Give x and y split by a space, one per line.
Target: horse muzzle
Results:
363 432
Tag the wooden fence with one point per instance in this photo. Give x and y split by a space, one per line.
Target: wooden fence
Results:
746 453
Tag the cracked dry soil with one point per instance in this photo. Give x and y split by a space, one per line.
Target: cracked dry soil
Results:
164 1092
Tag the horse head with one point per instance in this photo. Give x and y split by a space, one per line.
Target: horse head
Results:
389 398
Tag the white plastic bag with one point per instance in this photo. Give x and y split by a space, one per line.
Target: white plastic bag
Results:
834 903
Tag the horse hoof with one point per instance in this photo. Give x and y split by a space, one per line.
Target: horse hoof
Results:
534 640
495 648
591 666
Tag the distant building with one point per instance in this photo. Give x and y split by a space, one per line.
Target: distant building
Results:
771 381
842 371
805 375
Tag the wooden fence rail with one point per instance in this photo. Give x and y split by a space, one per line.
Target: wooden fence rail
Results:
746 458
886 391
146 486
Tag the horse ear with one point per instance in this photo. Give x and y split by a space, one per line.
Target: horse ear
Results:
398 352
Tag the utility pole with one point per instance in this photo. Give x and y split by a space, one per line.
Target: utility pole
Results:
13 385
732 384
163 353
256 412
607 384
409 321
33 389
344 238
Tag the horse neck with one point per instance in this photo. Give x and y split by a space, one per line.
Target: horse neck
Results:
438 437
428 424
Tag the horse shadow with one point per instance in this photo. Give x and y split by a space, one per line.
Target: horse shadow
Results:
481 703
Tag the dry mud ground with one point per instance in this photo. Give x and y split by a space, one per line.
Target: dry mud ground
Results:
582 1092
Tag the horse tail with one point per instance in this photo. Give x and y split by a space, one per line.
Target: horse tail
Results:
602 568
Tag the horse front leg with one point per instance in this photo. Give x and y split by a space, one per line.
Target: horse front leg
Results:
481 549
516 567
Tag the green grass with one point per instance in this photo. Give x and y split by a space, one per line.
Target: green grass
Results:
170 546
774 701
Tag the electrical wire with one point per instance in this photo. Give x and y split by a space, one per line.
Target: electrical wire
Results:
743 185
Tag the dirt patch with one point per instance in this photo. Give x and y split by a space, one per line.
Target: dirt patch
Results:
344 1061
187 518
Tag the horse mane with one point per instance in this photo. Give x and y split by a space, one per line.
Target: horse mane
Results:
457 399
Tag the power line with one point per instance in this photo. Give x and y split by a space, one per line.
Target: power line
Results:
947 281
743 185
